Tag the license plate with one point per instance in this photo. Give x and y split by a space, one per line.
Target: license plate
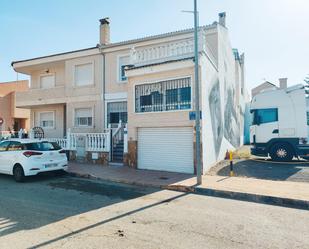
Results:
51 165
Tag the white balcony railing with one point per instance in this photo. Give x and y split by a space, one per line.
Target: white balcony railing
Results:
168 51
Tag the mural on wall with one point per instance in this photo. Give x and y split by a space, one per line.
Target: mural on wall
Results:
215 114
231 127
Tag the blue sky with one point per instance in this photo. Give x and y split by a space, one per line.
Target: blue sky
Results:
274 34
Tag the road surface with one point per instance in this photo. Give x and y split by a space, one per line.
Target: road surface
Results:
66 212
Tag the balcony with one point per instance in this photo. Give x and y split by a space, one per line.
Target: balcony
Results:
38 97
169 51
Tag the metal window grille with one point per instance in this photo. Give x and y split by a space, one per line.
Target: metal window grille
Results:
163 96
117 111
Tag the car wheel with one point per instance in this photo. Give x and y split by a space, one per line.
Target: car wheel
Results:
18 173
281 152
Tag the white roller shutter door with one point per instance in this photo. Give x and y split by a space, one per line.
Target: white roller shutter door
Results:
166 149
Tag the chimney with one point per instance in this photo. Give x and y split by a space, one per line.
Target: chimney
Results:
283 83
222 17
104 31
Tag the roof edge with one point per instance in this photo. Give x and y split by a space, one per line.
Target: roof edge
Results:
52 55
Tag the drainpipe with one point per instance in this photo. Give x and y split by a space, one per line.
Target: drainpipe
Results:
104 81
103 93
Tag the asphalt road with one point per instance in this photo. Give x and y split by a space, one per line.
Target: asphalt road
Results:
66 212
297 171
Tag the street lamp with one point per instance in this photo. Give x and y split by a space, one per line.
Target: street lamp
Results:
197 98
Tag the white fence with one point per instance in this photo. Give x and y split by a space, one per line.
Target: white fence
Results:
95 142
63 143
98 142
5 134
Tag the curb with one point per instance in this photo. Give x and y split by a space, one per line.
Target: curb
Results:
92 177
263 199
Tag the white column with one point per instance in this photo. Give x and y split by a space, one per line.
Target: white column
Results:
125 139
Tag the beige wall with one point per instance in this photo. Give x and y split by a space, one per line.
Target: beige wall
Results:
58 130
97 111
5 113
8 110
112 72
157 119
56 69
73 91
13 86
65 93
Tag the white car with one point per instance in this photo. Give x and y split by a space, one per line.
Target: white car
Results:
28 157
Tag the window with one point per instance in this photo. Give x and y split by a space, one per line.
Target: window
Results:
307 118
117 111
83 74
178 99
47 119
163 96
4 145
83 117
47 81
262 116
123 61
42 146
15 146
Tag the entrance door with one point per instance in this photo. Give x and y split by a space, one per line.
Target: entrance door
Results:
117 111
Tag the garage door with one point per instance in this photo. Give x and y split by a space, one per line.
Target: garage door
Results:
167 149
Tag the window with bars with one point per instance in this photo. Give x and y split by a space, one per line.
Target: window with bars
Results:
83 117
166 95
117 111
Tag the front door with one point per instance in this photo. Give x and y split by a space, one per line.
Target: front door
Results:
265 124
116 112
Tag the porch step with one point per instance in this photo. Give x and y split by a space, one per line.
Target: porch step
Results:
118 152
116 164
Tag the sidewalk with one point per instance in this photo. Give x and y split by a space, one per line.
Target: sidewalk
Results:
289 194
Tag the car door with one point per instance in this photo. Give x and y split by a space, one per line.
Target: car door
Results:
12 154
3 156
265 126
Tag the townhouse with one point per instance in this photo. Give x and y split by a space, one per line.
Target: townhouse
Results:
143 89
12 118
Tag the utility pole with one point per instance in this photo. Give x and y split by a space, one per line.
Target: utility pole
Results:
197 99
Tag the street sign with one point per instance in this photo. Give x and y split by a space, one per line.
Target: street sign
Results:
192 115
1 121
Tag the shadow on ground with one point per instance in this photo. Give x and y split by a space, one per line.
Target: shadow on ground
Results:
268 170
46 199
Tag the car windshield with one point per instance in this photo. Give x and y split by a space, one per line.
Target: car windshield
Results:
42 146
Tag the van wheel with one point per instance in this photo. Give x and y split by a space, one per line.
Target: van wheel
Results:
281 152
18 173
